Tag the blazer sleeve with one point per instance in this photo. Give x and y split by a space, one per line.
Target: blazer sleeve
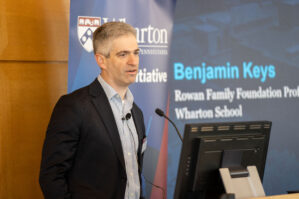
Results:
59 148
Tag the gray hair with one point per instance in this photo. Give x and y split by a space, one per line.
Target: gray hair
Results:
104 35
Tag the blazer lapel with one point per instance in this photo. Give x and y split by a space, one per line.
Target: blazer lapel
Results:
137 123
139 129
105 112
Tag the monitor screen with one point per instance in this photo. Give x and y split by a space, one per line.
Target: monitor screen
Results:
210 146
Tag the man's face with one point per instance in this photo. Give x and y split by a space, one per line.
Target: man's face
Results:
121 67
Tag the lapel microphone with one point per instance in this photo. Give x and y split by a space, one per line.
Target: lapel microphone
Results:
127 117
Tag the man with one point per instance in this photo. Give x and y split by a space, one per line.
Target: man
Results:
95 139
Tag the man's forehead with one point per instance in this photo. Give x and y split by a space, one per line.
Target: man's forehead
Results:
125 43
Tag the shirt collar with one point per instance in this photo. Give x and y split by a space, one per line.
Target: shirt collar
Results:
111 93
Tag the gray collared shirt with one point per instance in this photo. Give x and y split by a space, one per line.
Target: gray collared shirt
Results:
128 136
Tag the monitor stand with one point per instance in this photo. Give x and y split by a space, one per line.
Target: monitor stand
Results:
244 183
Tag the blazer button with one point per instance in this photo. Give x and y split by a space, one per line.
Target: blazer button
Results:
124 179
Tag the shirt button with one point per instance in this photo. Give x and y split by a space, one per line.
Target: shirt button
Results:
129 153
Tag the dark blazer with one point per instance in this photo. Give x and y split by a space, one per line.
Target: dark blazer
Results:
82 153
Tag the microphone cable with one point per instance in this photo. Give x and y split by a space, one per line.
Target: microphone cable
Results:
159 187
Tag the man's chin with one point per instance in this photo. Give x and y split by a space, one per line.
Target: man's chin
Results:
132 79
129 82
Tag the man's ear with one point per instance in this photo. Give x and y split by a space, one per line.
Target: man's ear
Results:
100 59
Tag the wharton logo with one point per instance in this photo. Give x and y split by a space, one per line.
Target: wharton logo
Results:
151 40
85 28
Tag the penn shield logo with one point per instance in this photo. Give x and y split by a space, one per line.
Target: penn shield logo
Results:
85 28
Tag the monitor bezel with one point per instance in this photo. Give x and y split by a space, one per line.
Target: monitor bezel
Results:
194 133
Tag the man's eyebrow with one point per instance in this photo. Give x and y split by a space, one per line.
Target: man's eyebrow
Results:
127 51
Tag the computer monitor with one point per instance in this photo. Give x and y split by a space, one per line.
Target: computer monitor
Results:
210 146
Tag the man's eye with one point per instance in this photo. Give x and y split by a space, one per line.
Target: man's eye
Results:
122 54
136 53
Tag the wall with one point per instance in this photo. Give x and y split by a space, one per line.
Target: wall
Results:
33 74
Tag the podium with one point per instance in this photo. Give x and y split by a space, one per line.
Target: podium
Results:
285 196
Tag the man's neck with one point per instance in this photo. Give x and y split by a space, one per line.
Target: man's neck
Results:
120 90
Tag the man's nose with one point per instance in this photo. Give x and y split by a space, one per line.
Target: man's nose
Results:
133 60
